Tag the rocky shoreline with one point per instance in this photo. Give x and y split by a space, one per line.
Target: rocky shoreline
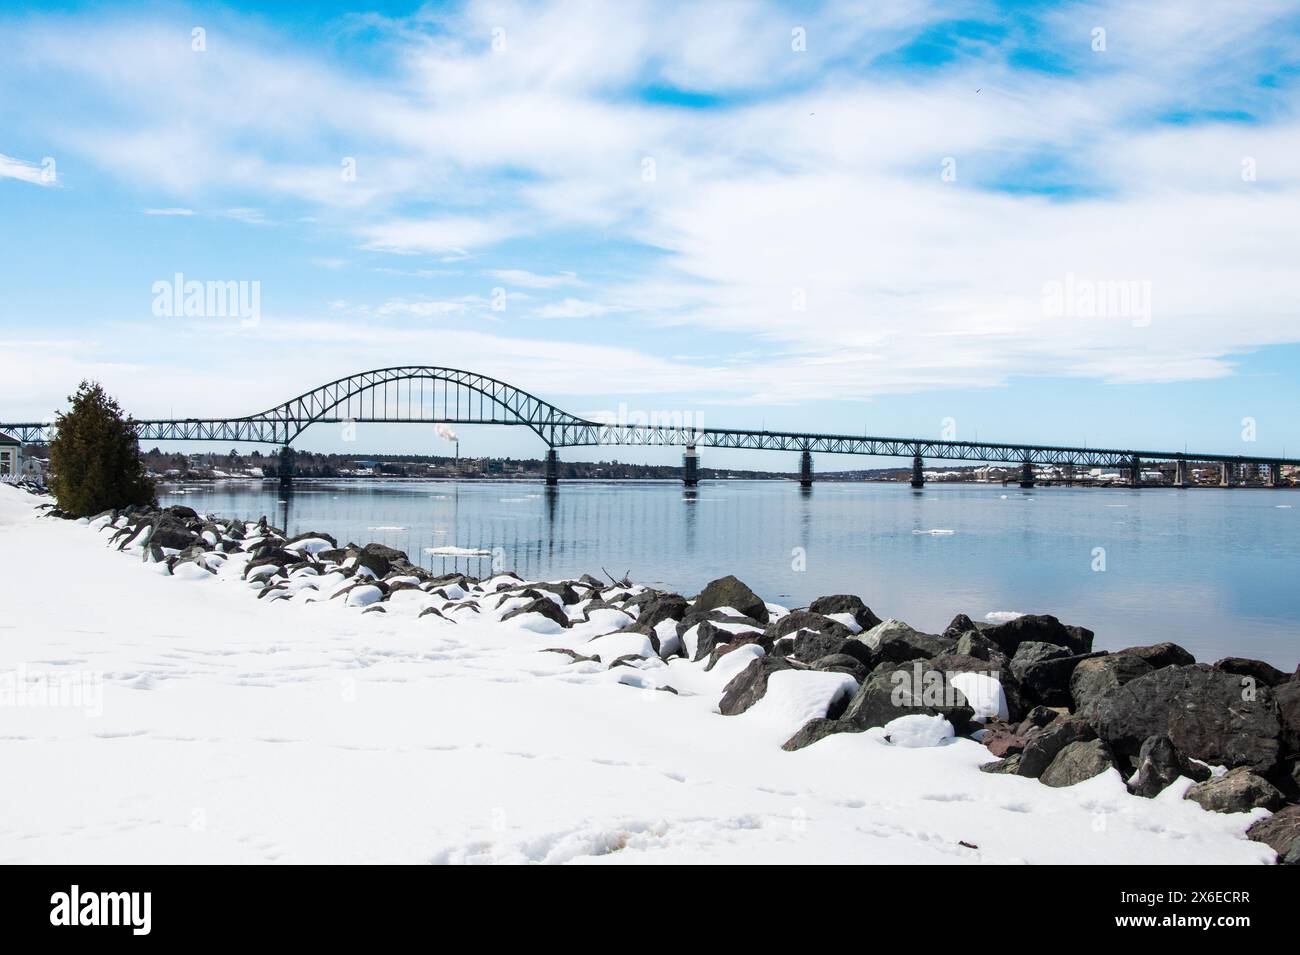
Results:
1032 689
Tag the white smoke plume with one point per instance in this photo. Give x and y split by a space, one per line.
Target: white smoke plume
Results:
446 433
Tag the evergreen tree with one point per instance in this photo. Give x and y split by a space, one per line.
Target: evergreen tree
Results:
95 458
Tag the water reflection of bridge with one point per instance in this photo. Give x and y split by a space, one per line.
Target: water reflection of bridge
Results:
532 543
430 395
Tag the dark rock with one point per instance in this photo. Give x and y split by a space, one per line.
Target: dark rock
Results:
740 640
1008 765
434 611
1043 747
309 535
810 645
1239 790
1038 628
509 595
709 636
543 605
891 692
376 608
896 642
749 685
846 603
664 607
1208 714
626 660
1261 672
961 624
1096 678
1037 718
816 729
1043 672
577 657
1281 833
1077 762
841 663
564 591
181 512
171 533
279 558
380 559
1003 741
975 644
693 619
1161 655
1159 763
730 592
1288 712
797 620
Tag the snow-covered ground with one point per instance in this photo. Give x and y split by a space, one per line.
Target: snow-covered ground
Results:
232 729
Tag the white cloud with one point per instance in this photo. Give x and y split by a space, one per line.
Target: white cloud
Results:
38 174
533 280
173 211
574 308
445 235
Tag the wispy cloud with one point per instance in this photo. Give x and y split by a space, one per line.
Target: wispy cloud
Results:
38 174
532 280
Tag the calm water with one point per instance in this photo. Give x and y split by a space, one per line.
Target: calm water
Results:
1215 571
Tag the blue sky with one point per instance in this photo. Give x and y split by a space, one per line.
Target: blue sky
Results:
840 217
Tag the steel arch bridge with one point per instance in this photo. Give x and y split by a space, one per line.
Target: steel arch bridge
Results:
430 395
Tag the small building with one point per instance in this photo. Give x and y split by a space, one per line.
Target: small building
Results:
11 456
33 469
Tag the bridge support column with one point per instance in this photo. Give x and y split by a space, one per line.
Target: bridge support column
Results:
918 472
1135 472
1225 474
1274 476
690 467
805 469
1069 474
286 467
552 468
1026 474
1180 473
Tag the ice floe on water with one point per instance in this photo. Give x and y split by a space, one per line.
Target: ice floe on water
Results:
936 532
457 552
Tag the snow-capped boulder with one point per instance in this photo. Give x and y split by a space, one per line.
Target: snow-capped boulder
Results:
917 730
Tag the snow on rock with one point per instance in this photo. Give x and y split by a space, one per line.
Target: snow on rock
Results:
984 694
794 697
363 595
917 730
612 646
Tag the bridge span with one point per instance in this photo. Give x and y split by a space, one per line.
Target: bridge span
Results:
421 394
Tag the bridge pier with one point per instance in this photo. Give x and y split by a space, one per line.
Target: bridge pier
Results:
1069 474
1274 476
552 468
1026 474
1225 474
918 472
805 469
690 467
1135 472
1180 473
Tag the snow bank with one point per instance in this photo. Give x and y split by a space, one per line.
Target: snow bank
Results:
233 729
